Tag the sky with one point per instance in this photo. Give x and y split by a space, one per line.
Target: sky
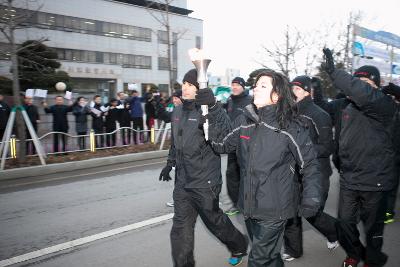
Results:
234 31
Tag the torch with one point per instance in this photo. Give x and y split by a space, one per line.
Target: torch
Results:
201 62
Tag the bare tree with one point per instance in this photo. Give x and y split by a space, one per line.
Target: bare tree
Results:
283 54
160 11
10 21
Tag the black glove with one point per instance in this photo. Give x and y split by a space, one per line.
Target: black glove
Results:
309 208
205 97
316 83
164 175
329 64
392 89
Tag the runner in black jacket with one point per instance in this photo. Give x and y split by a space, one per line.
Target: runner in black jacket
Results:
394 91
198 183
321 135
270 144
235 107
367 168
334 109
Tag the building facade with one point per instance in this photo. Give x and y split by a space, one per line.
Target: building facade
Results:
104 45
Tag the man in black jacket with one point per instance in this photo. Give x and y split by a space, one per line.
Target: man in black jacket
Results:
367 167
334 108
394 91
34 117
198 183
60 120
270 144
4 115
320 127
235 105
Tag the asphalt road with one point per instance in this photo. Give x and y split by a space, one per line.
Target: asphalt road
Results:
39 212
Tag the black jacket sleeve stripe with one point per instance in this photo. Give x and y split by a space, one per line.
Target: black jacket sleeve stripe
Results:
229 138
313 122
291 138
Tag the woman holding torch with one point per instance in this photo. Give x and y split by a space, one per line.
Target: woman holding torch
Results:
272 148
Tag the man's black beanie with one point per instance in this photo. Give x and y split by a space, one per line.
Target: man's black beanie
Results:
302 81
240 81
191 77
370 72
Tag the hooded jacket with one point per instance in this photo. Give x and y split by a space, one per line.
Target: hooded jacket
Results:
196 163
236 104
320 132
366 150
334 109
268 158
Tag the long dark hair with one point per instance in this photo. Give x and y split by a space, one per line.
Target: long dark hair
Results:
286 108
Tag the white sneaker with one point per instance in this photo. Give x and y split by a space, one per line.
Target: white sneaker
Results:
332 245
287 257
170 204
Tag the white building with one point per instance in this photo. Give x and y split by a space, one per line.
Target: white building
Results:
105 44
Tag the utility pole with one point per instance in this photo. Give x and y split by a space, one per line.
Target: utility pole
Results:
347 47
287 52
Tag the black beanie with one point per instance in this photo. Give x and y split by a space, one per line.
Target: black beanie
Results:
303 82
191 77
240 81
370 72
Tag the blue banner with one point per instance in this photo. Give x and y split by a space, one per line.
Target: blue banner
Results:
379 36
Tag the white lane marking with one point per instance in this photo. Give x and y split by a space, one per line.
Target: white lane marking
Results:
84 240
82 174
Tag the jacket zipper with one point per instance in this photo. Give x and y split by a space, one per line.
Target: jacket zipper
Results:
251 170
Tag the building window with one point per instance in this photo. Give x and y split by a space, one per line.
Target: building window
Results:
61 54
68 54
162 37
83 25
99 57
125 60
163 88
198 42
163 63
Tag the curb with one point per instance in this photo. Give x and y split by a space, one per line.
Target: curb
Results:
79 165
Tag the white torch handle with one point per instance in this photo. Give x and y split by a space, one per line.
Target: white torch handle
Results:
204 109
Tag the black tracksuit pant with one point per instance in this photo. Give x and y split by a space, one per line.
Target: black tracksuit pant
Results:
293 237
233 178
111 137
137 124
323 222
82 140
266 238
57 139
370 208
188 204
392 195
100 138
